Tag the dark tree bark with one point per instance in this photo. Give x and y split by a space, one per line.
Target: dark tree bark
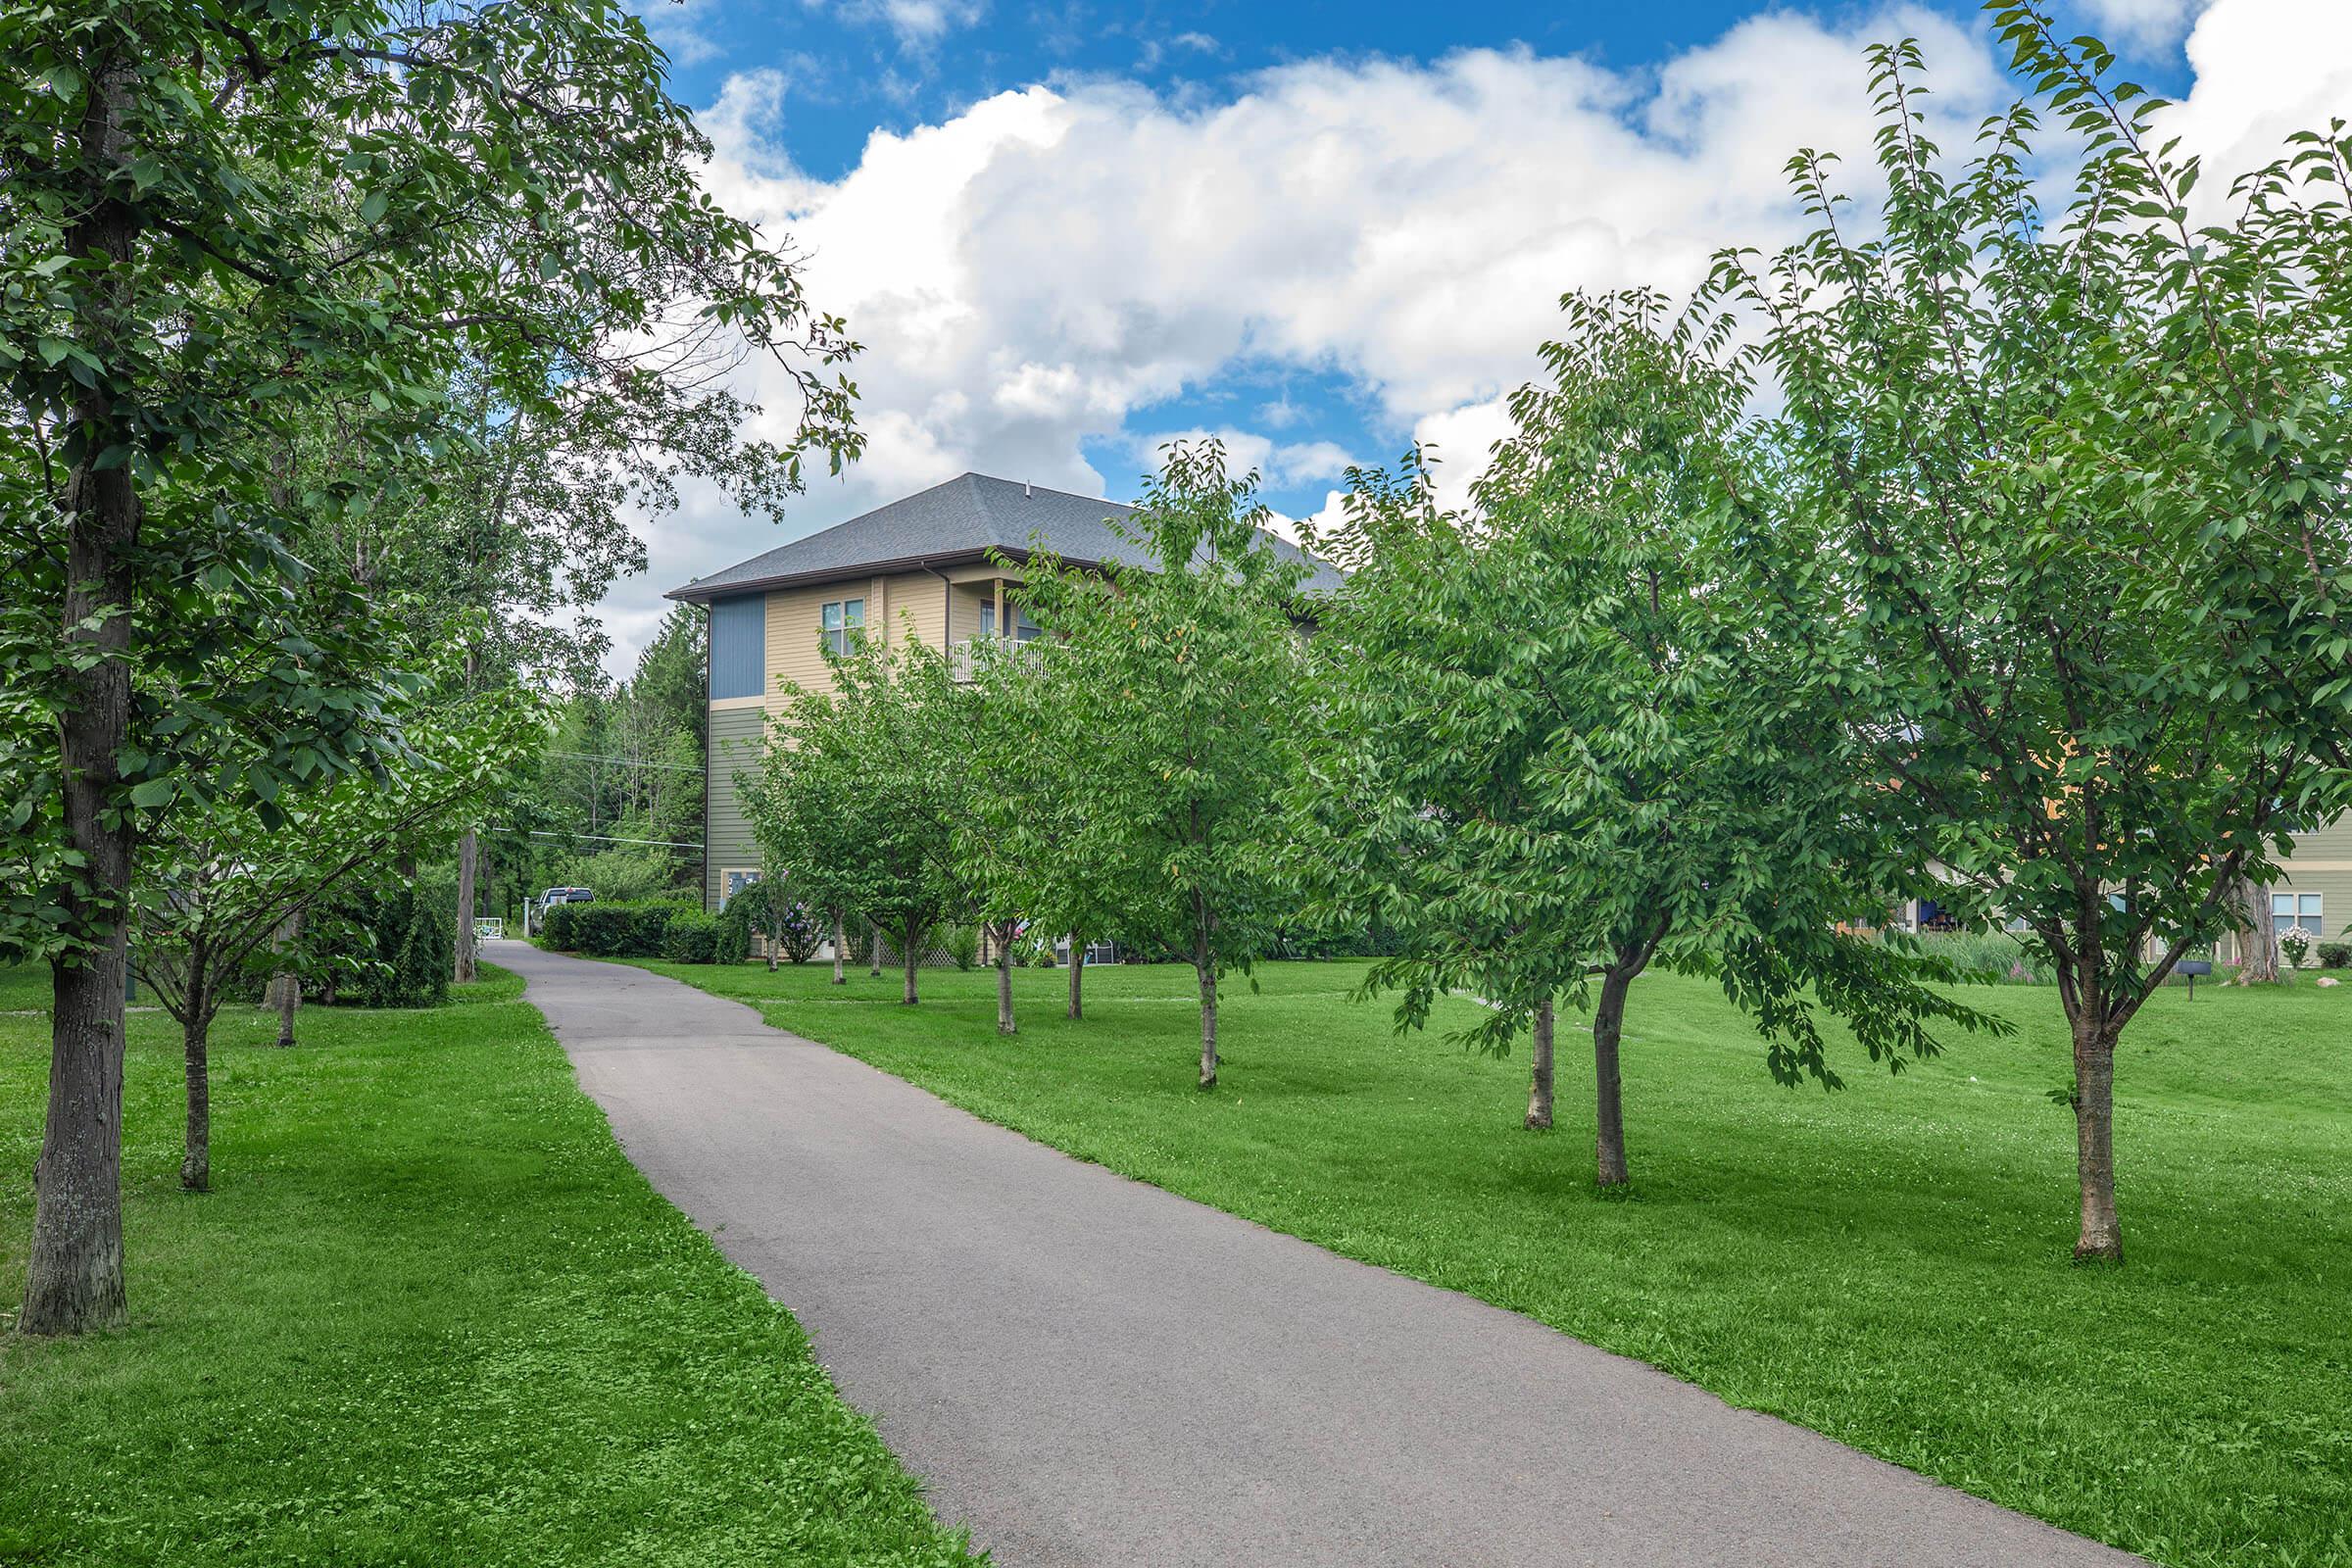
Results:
74 1274
1608 1028
841 940
1003 941
910 955
290 1000
877 971
1538 1092
2101 1237
196 1159
1077 976
469 850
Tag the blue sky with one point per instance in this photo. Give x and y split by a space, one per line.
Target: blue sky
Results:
1069 230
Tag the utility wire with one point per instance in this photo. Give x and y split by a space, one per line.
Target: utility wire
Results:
602 838
591 757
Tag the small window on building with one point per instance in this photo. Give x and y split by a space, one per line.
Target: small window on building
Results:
731 883
843 620
2298 911
1023 628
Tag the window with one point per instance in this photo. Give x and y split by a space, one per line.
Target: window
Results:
731 883
842 619
1023 628
2298 911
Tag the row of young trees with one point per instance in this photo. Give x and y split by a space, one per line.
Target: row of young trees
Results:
335 338
1980 551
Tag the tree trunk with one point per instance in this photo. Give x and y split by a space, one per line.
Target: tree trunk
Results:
73 1272
1538 1092
1005 1023
2259 937
290 1000
1077 976
840 944
1608 1126
909 998
196 1162
2101 1238
469 849
877 972
1208 1024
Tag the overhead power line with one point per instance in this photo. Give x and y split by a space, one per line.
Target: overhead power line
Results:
591 757
602 838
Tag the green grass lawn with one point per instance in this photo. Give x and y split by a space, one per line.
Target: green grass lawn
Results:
430 1316
1888 1265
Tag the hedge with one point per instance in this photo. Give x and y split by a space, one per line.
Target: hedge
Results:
612 930
691 937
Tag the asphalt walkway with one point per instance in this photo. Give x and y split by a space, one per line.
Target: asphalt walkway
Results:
1090 1373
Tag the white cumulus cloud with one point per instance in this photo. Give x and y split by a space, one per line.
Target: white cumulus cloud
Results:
1035 275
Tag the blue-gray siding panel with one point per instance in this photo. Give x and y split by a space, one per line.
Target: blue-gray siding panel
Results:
739 646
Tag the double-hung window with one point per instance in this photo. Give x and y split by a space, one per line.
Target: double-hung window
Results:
843 620
2297 911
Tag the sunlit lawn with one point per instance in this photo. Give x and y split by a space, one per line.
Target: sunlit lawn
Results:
430 1316
1888 1265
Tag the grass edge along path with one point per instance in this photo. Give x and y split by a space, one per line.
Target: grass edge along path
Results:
1885 1266
431 1316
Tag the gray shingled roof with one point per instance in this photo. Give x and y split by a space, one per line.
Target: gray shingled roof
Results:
962 519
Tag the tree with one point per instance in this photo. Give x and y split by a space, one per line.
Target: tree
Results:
217 219
1566 738
221 888
2074 485
1183 688
1023 843
858 795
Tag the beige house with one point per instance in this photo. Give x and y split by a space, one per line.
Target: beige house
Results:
925 567
2313 894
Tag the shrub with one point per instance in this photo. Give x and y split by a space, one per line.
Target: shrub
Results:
691 937
767 908
614 930
1994 955
730 940
388 943
2294 945
2335 955
554 927
962 944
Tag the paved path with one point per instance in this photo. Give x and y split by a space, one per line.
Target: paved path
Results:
1091 1372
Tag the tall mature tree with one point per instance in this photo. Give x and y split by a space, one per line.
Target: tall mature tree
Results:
217 218
2075 482
1566 739
858 796
1184 689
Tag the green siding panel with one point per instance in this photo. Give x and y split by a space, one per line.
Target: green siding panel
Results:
735 734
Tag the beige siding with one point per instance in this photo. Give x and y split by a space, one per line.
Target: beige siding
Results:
792 629
917 603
